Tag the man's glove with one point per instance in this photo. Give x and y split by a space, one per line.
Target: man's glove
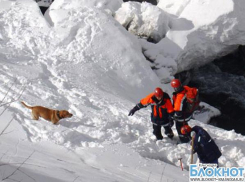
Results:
132 111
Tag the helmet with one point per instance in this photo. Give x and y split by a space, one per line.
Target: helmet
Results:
158 92
185 129
175 83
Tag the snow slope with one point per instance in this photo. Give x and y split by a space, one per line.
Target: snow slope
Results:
84 61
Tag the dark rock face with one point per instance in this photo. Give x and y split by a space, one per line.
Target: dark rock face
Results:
233 63
154 2
222 85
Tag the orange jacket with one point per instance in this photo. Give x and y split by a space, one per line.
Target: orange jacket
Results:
160 109
179 99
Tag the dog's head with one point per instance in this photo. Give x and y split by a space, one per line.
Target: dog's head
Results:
65 114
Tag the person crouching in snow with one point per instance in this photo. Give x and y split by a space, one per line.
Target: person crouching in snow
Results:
162 108
205 147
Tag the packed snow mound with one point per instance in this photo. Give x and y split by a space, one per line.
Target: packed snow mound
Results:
83 35
112 6
104 5
87 63
144 20
173 7
200 31
107 5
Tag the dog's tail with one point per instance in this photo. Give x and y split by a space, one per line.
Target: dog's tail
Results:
29 107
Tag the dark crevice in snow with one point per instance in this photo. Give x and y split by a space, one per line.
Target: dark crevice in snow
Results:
43 9
222 85
154 2
44 5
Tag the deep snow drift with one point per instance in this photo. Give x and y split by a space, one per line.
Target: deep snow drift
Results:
83 60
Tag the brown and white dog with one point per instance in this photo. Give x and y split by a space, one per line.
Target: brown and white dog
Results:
49 114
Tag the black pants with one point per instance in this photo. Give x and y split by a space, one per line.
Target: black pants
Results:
158 133
183 138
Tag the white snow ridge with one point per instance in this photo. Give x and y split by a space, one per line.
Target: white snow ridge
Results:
80 58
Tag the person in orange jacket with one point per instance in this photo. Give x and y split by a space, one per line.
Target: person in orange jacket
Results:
162 109
182 109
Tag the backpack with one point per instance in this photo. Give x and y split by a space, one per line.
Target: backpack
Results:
192 97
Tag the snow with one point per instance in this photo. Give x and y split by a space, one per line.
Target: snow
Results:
143 19
84 61
44 3
198 31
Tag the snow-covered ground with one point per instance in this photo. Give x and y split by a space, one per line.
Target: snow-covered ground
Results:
81 59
